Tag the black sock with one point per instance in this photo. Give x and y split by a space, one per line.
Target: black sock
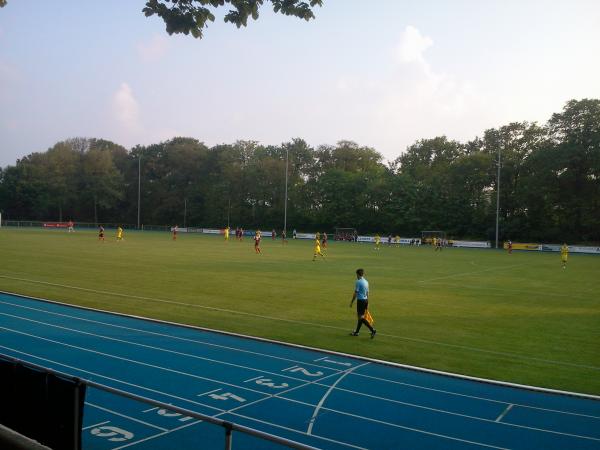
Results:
367 324
358 325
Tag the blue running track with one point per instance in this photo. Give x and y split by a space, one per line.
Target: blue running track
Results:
323 399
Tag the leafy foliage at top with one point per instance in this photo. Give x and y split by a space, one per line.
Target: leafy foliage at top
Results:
191 16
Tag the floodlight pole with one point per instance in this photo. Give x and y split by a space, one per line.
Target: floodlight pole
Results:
184 211
498 195
287 151
139 187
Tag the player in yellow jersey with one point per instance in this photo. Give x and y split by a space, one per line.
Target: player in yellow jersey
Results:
317 251
119 234
377 241
564 255
226 233
257 238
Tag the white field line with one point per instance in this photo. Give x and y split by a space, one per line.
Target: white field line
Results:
93 405
279 394
296 379
169 336
151 347
355 374
516 291
405 338
456 275
331 388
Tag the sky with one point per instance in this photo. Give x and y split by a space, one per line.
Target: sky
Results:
382 73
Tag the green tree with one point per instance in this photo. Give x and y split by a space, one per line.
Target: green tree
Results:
102 182
575 133
191 16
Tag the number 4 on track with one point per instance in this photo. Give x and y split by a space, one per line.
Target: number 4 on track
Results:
227 396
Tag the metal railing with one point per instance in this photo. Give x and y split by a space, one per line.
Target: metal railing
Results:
228 427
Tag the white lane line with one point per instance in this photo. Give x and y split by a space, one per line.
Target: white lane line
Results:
101 408
406 428
209 392
320 359
116 380
158 435
458 394
404 338
168 336
221 411
331 388
501 416
252 379
455 275
255 378
95 425
151 347
140 363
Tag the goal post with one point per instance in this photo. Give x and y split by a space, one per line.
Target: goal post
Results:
428 236
345 234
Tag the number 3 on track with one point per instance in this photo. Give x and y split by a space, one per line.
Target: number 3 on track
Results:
269 383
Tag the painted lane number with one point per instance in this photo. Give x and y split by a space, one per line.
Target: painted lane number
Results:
113 434
227 396
306 372
267 382
167 413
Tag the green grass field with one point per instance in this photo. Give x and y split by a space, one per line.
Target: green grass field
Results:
517 318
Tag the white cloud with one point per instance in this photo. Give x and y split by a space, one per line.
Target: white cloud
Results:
412 45
126 109
412 100
128 127
154 49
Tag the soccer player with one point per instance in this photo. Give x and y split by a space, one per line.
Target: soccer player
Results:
317 250
438 244
361 294
564 255
226 233
509 247
70 225
283 237
294 234
377 241
324 240
101 233
257 238
397 240
174 229
273 234
119 233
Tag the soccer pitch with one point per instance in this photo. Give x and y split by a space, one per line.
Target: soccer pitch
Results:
518 318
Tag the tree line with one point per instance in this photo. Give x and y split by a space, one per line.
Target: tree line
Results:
549 183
